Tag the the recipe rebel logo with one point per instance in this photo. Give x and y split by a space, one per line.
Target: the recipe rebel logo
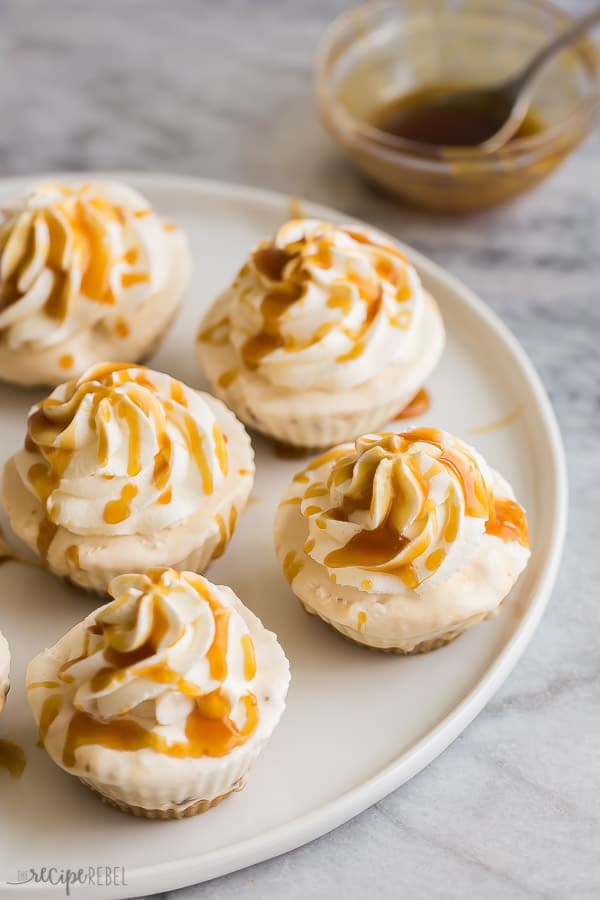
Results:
71 879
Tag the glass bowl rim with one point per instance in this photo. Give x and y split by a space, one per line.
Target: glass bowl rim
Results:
401 148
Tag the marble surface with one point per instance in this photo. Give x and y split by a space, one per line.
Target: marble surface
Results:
224 90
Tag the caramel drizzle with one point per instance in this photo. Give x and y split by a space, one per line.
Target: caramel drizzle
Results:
418 406
286 269
63 238
508 521
377 548
50 433
209 729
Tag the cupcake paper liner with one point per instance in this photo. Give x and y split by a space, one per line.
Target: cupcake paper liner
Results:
194 791
316 430
408 647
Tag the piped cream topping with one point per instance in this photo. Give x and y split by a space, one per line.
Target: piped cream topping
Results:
71 257
169 666
397 511
121 450
321 306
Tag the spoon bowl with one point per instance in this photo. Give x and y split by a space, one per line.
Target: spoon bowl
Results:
381 52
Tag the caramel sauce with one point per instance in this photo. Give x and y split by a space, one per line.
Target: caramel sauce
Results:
291 501
368 548
418 406
205 736
271 261
223 537
329 456
194 442
166 497
131 256
354 353
292 566
116 511
467 471
12 758
162 462
220 449
217 334
46 534
122 329
287 269
249 657
508 521
129 279
402 320
227 378
341 299
66 361
72 556
178 393
432 116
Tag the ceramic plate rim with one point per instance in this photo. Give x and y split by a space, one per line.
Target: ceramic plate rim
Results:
180 873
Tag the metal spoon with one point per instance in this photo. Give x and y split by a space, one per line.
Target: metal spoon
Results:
510 101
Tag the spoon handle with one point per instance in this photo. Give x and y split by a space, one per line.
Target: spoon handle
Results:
563 40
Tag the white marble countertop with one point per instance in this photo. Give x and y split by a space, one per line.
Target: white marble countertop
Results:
224 90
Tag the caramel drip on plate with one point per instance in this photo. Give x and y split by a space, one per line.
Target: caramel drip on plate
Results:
418 406
12 758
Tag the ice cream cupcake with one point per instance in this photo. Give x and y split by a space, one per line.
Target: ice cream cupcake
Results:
326 333
401 541
87 273
161 700
125 468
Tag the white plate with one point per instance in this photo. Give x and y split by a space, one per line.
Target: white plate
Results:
358 724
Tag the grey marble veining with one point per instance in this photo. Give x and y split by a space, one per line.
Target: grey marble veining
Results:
224 90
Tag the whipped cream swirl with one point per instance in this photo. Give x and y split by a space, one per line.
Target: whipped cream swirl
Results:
168 666
122 450
71 257
397 511
321 306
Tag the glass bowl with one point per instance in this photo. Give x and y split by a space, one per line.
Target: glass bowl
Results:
378 52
